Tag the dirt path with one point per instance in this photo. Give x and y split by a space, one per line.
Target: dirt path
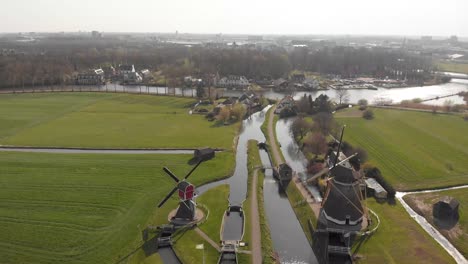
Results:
278 157
272 139
208 239
255 223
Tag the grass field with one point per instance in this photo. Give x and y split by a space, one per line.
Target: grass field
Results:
99 120
453 67
216 200
86 208
400 239
414 150
458 235
253 162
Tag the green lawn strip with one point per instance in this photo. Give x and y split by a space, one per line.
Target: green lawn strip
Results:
458 235
264 129
216 200
413 150
253 162
90 208
113 121
453 67
184 247
301 208
399 239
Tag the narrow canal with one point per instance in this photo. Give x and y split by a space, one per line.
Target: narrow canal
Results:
292 153
288 237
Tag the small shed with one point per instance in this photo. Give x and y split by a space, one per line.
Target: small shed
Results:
204 154
446 209
285 172
375 189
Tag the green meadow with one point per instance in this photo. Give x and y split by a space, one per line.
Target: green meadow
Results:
100 120
87 208
399 239
413 150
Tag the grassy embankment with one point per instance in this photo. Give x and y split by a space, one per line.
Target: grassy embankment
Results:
253 162
301 209
216 200
91 207
458 235
264 128
399 239
413 150
453 67
87 207
99 120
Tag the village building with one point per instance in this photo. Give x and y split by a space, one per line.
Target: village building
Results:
310 84
298 78
145 74
375 189
446 211
125 69
132 78
91 77
204 154
109 72
233 81
286 103
281 84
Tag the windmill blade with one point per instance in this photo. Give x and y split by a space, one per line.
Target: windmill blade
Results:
171 174
167 197
190 172
339 146
323 171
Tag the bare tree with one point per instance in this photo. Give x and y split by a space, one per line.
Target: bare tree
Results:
316 143
342 95
299 128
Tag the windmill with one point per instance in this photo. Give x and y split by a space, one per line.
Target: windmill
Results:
186 210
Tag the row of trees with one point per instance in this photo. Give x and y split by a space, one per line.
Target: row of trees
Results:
58 61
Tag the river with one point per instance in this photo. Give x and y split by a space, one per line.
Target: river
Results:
394 94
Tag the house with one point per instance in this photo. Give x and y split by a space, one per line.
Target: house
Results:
145 74
233 81
310 84
281 84
91 77
132 78
125 69
375 189
446 210
286 103
298 78
191 81
204 154
109 72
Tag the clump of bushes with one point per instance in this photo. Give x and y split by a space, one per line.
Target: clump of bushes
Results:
368 114
362 104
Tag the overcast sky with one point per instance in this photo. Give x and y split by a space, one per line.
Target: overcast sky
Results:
383 17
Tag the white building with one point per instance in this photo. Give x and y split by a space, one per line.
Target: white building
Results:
232 81
91 77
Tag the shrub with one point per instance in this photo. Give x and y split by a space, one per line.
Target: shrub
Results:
314 167
368 114
465 117
362 102
362 107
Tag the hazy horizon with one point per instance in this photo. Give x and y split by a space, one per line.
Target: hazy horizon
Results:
296 17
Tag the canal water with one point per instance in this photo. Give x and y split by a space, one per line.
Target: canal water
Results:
289 240
292 153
